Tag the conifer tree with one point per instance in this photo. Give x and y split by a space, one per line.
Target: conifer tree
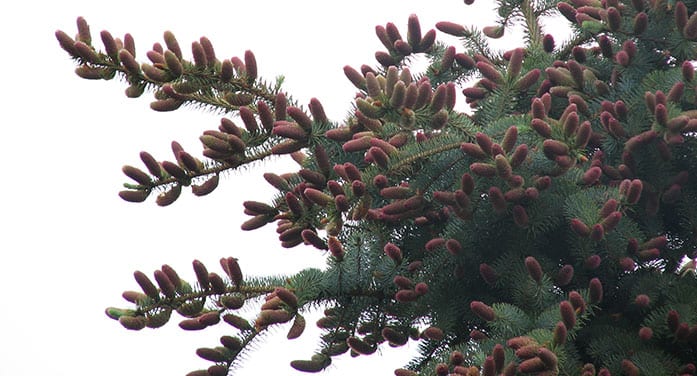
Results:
548 231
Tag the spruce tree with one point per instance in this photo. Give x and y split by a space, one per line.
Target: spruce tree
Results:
549 230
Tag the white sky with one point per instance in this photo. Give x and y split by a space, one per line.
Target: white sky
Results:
69 245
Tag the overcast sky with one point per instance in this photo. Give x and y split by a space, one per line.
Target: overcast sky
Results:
69 245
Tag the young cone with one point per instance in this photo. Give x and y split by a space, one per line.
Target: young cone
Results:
534 268
482 310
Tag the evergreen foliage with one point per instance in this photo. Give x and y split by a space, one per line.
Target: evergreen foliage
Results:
548 231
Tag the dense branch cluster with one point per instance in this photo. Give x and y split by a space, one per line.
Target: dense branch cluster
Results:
546 232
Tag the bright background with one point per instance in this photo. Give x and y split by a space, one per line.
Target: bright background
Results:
69 245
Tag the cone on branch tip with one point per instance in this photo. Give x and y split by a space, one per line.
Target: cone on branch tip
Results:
568 314
297 328
132 322
534 268
433 333
482 310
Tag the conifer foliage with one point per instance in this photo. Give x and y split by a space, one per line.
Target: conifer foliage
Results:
548 231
